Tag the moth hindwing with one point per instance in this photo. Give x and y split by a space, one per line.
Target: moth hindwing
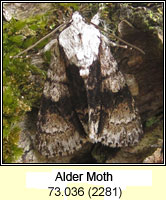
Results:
85 96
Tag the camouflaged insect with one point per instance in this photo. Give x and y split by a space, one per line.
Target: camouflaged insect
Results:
85 96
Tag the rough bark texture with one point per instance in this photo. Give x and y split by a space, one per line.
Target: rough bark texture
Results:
144 75
148 72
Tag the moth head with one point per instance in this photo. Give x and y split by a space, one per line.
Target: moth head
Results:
76 17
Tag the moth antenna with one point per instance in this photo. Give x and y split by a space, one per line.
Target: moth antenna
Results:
120 39
48 35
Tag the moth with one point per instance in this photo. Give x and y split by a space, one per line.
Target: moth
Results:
85 96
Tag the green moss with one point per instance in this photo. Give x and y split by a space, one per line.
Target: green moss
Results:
151 121
20 91
150 138
75 6
148 19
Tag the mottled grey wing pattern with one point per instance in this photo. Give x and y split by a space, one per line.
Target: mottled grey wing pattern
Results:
58 132
85 95
119 123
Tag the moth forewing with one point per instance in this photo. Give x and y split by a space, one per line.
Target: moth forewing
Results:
85 95
57 133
